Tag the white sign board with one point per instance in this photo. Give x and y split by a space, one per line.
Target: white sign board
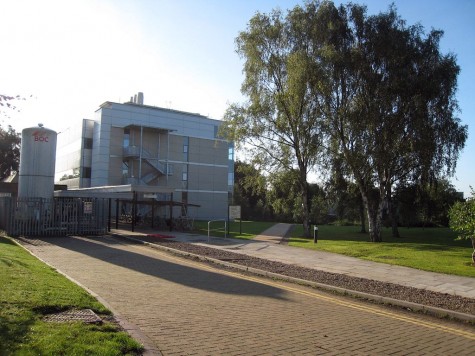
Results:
88 207
234 212
150 195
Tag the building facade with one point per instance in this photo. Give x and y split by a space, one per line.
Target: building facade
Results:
142 145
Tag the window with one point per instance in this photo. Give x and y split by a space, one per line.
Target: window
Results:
87 142
126 142
186 144
230 166
184 174
231 152
86 172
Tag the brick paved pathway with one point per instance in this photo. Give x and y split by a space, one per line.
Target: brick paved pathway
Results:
187 308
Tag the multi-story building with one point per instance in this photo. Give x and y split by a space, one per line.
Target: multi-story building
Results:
140 145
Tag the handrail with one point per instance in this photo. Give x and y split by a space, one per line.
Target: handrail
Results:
225 227
135 151
156 163
131 151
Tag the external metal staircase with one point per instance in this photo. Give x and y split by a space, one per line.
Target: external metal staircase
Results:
160 169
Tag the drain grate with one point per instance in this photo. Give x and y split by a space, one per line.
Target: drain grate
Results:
85 315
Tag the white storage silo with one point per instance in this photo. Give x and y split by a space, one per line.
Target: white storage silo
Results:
37 163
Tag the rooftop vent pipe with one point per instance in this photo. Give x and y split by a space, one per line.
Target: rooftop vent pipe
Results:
137 98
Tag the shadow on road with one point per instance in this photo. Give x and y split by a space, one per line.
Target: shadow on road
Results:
118 253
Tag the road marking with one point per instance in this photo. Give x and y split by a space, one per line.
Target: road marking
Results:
377 311
316 295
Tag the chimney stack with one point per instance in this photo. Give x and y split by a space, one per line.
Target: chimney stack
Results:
137 98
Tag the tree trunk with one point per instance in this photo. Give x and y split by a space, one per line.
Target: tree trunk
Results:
374 224
306 223
393 213
375 215
362 218
305 212
392 210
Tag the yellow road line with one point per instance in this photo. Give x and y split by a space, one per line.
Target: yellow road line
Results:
373 310
338 301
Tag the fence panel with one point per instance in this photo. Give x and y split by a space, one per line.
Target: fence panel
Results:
57 217
5 209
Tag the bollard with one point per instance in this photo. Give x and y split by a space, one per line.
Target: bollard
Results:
315 234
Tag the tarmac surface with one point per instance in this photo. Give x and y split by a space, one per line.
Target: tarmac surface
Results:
181 307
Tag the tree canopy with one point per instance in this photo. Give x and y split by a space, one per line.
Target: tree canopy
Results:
9 138
281 121
377 94
462 219
9 151
390 104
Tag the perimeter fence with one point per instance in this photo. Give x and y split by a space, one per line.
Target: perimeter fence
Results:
53 217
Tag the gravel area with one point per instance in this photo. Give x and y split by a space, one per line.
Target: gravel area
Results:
410 294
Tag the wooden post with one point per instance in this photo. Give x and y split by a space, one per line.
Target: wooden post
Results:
171 211
117 213
134 210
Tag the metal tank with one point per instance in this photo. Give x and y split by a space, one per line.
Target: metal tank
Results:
37 163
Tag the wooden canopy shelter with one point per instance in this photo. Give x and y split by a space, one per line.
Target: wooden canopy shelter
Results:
129 193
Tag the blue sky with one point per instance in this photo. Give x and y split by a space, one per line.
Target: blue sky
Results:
71 56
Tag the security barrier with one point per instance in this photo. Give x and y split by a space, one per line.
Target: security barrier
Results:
53 217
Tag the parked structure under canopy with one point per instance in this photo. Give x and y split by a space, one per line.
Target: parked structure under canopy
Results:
135 195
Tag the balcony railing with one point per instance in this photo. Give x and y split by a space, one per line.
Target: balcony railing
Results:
131 152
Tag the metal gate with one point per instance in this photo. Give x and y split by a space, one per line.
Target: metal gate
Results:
57 216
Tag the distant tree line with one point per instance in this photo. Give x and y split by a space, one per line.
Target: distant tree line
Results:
337 201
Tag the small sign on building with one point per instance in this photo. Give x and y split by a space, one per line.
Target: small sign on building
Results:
150 195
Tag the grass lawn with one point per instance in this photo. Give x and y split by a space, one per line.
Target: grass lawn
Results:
429 249
240 230
29 290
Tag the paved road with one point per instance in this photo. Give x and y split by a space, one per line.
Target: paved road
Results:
268 246
186 308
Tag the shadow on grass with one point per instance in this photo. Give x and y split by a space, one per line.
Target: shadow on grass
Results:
13 330
16 317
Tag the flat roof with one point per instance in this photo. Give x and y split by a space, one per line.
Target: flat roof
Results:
115 191
107 105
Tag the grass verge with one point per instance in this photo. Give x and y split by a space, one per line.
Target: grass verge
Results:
429 249
30 290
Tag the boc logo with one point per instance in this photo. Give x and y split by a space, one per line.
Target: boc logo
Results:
40 136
